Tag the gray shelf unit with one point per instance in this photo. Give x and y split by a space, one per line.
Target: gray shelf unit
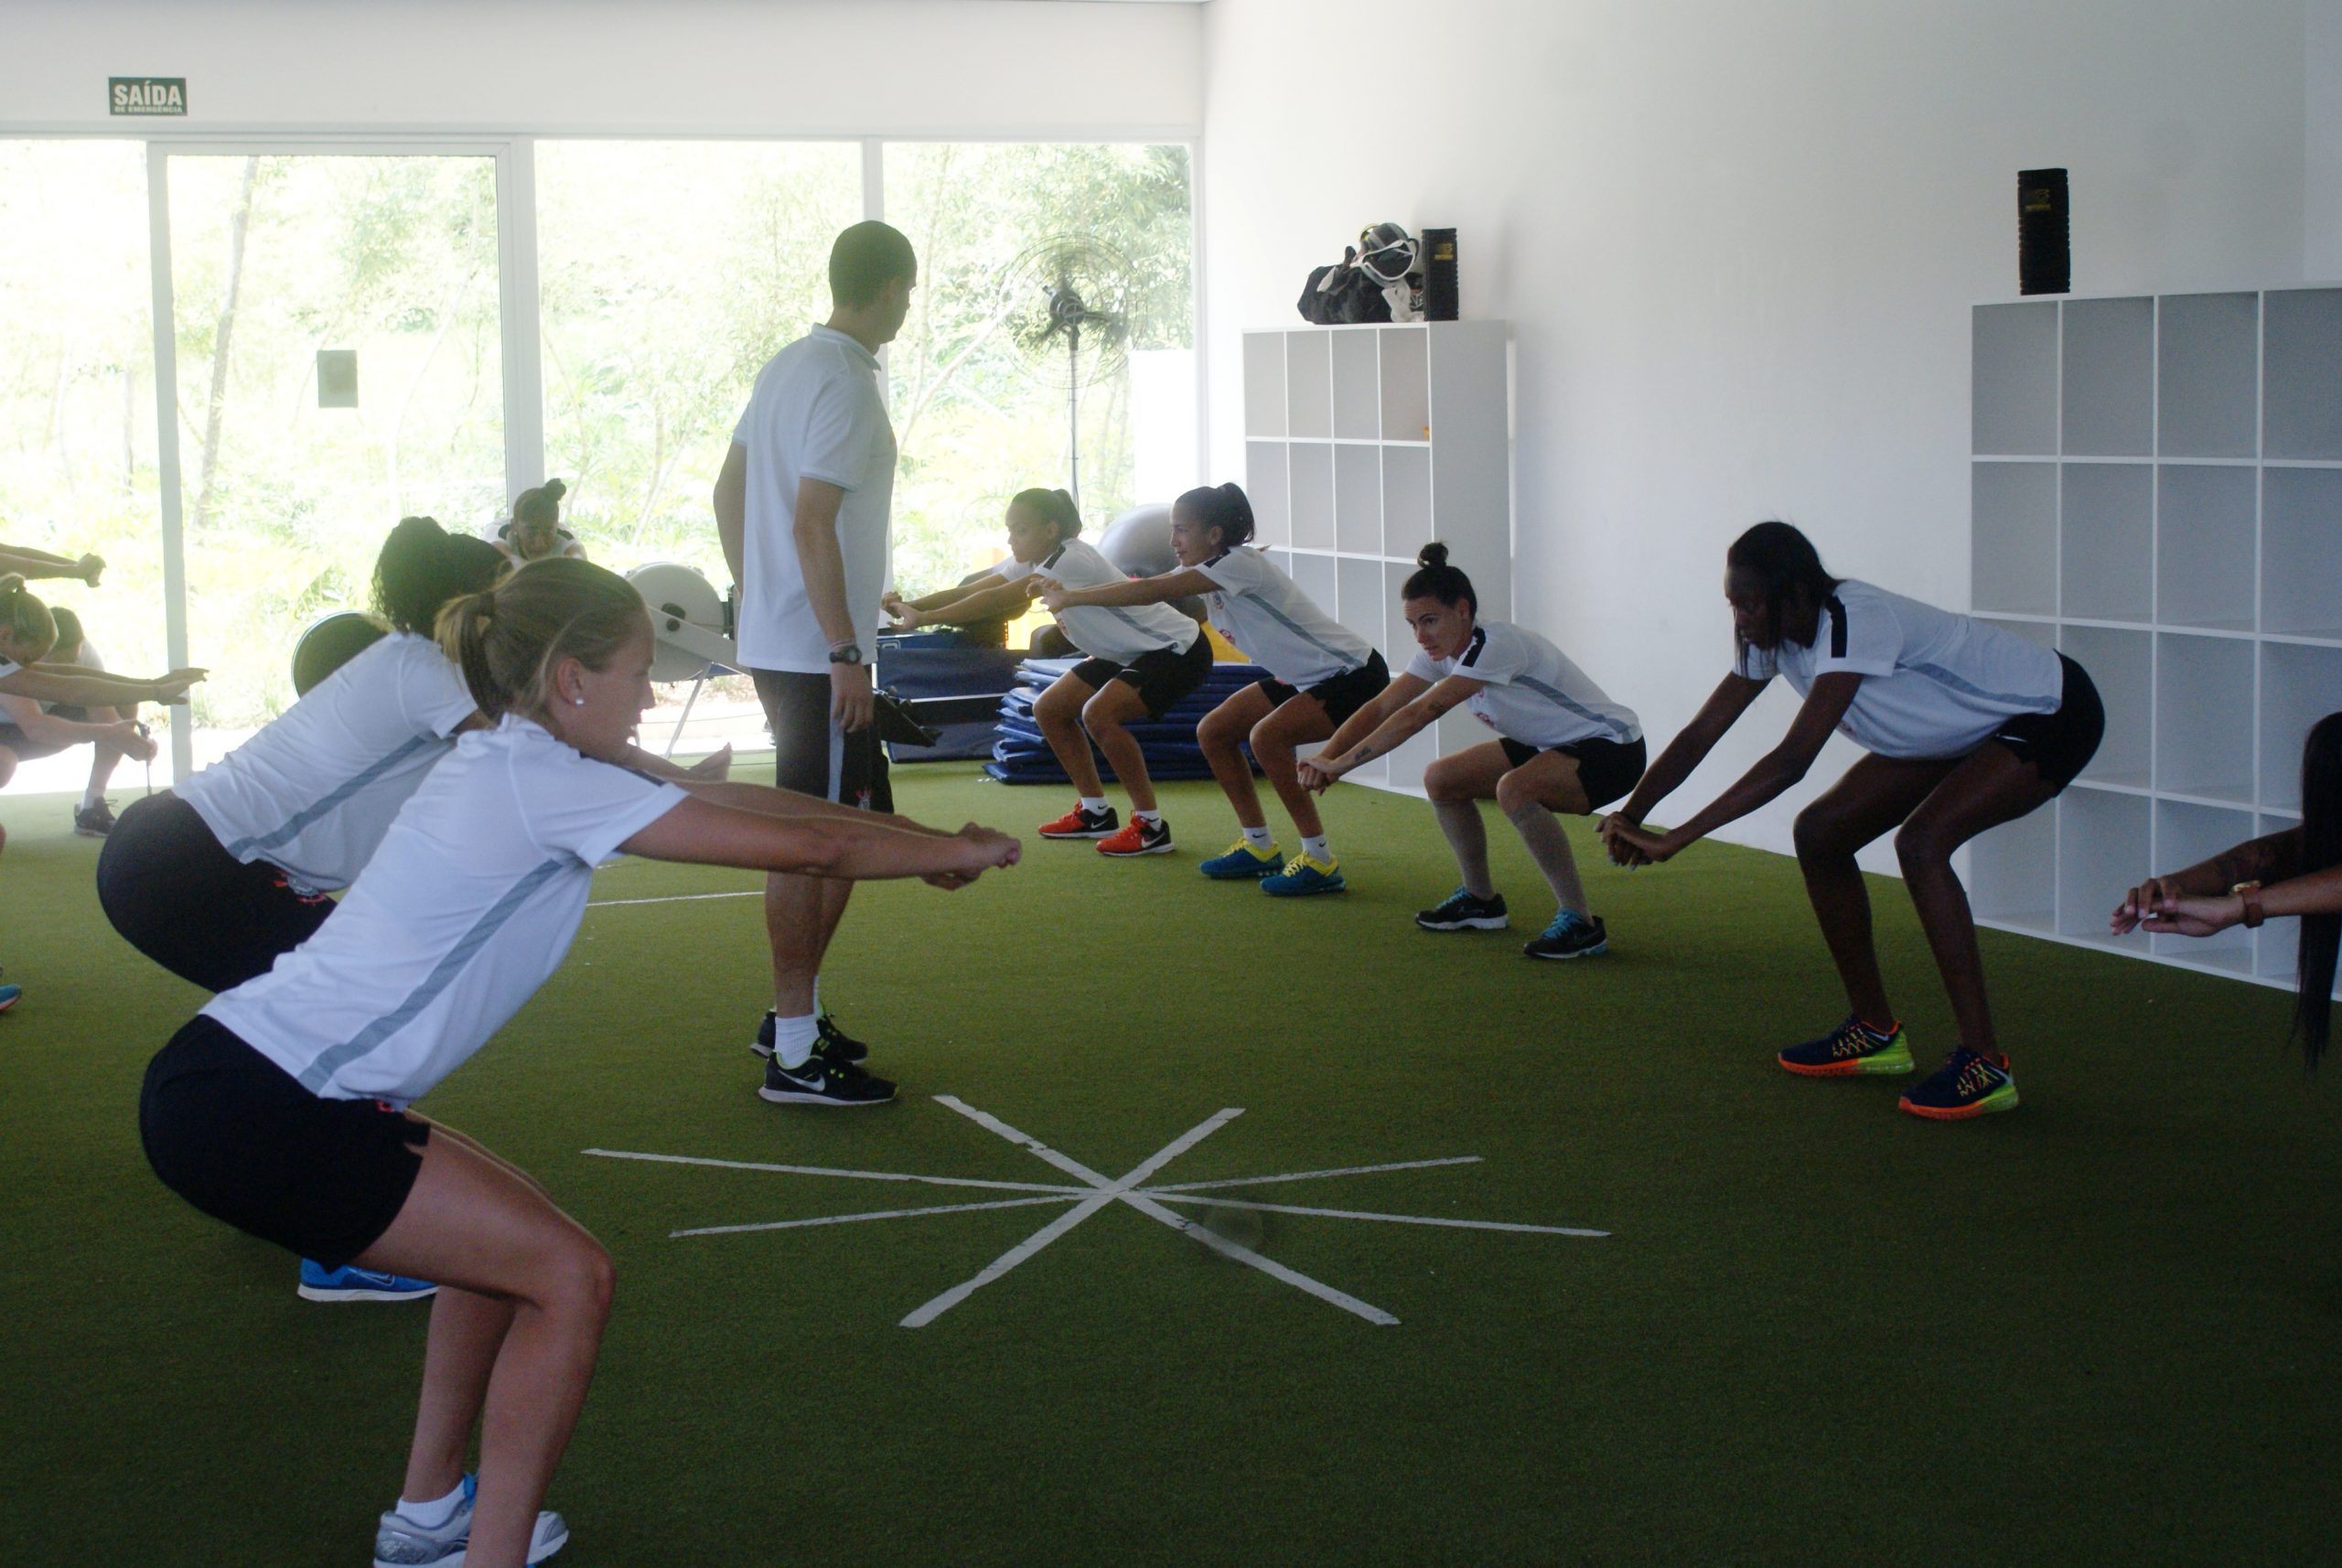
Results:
1364 443
2157 490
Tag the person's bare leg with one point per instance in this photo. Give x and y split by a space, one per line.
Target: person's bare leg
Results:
1534 798
1876 794
1277 742
1221 735
1107 716
1988 788
104 757
1456 784
474 1225
1057 711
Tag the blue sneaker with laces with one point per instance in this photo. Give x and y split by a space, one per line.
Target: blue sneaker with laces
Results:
353 1284
1301 876
1571 935
1242 862
401 1543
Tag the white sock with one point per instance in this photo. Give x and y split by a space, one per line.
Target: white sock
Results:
1156 816
91 796
1315 850
1258 837
431 1515
793 1039
1093 804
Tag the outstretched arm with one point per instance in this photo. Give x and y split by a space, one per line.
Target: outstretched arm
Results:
1405 707
2268 860
91 688
703 833
27 561
1825 705
1182 584
987 598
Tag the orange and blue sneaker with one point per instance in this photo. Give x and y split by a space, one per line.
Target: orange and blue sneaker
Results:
1138 837
1242 862
1967 1084
1301 876
1854 1046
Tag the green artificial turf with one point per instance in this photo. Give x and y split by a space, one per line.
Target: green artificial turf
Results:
2102 1329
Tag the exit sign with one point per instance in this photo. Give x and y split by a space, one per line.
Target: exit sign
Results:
147 94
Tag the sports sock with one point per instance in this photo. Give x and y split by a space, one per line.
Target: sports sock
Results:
1154 817
1549 846
793 1039
436 1512
1315 850
1093 804
1258 837
91 796
1468 837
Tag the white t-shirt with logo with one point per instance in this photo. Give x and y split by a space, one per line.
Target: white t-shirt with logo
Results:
1534 694
469 906
1119 632
815 414
1935 684
1259 610
314 791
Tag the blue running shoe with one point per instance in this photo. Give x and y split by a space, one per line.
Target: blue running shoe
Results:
1241 863
1301 876
354 1283
399 1542
1967 1084
1571 935
9 995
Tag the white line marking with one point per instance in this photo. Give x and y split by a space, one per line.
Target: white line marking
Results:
1268 1266
928 1312
822 1170
1170 1197
1313 1175
675 899
858 1218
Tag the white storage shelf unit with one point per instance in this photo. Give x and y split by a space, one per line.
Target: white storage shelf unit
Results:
2157 491
1361 445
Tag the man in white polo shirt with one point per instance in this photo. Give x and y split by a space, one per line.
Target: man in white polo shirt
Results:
802 506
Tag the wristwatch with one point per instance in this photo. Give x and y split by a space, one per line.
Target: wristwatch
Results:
845 653
2250 892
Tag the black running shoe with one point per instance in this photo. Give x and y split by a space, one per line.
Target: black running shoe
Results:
823 1080
834 1040
93 821
1459 911
1571 935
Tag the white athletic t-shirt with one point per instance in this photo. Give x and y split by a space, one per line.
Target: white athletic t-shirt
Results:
1935 684
815 414
314 791
467 907
1258 608
1119 632
1534 694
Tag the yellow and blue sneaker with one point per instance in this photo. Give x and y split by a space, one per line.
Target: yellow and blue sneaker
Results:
1301 876
1854 1046
1242 862
1967 1084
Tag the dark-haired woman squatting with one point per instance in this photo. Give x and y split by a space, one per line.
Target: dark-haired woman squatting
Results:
282 1108
533 531
1968 726
1320 673
1141 661
2297 872
1561 745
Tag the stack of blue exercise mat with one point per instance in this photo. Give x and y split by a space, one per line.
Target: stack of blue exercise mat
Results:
1021 757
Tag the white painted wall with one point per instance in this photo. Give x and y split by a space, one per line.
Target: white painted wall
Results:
2322 142
1012 68
1738 241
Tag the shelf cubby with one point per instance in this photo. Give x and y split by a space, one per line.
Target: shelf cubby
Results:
2122 665
2107 381
2301 393
1406 385
2185 834
2040 633
2207 370
2300 684
1264 401
1356 387
2105 847
2203 726
1316 574
1311 489
1309 386
1268 485
1358 501
2015 509
2014 400
2106 526
2012 873
2204 547
1406 501
2301 552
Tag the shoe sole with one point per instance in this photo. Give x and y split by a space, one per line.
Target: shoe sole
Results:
1886 1063
1999 1099
313 1293
90 833
541 1546
1134 854
1596 951
1100 833
1306 892
796 1096
1478 923
1247 874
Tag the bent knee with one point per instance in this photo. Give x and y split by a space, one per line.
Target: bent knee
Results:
1515 793
1922 848
580 1279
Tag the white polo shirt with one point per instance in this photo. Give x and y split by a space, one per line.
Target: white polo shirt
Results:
1258 608
815 414
467 907
1534 694
1935 684
314 791
1119 632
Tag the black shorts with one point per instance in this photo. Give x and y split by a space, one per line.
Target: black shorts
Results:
1162 677
2059 744
184 901
25 748
810 754
231 1133
1341 696
1607 769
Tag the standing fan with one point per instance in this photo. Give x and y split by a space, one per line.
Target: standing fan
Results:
1066 301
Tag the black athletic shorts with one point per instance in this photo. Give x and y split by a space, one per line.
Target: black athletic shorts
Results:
2060 744
1344 694
184 901
231 1133
1607 769
1162 677
810 754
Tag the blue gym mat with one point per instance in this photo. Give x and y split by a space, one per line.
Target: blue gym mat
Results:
1019 755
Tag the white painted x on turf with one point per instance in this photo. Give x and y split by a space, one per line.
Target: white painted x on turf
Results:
1098 1192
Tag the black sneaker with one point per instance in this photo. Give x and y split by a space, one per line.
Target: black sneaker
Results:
823 1080
1571 935
834 1040
93 821
1460 911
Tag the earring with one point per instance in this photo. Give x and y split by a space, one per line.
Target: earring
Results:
577 701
